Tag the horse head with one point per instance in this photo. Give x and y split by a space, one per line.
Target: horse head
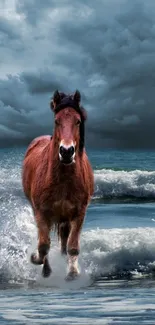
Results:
69 125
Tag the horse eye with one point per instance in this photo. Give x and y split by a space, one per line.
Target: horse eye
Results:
57 122
78 122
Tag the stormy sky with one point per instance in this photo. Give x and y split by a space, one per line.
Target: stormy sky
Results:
104 48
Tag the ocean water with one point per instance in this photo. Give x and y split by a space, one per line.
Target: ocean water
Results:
117 259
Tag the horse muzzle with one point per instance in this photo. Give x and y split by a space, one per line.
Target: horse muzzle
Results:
67 154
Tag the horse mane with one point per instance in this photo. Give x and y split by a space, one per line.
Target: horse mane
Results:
61 100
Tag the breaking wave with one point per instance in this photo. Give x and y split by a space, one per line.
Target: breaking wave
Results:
134 184
109 253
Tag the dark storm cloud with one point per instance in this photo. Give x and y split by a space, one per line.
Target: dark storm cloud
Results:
103 48
34 10
7 32
44 82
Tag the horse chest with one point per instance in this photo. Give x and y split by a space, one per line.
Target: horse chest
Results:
62 199
65 193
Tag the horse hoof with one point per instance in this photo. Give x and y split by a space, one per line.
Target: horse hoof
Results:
72 276
35 259
46 271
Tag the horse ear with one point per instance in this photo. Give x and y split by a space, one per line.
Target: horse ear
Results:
77 97
55 100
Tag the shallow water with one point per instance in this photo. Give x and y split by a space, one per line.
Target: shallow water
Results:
114 302
117 260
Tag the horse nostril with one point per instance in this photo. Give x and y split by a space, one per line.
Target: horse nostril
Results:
71 151
62 150
66 152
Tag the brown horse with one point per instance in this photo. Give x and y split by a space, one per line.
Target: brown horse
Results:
58 181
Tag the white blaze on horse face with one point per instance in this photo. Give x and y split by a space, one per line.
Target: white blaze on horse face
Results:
66 145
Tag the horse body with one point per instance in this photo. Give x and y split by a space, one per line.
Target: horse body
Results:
58 192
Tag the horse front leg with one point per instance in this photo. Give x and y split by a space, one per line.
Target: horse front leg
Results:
64 229
43 244
73 247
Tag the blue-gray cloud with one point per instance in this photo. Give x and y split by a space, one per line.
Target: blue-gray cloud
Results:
103 48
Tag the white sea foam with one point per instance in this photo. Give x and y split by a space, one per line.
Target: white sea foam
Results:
115 251
106 253
136 183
